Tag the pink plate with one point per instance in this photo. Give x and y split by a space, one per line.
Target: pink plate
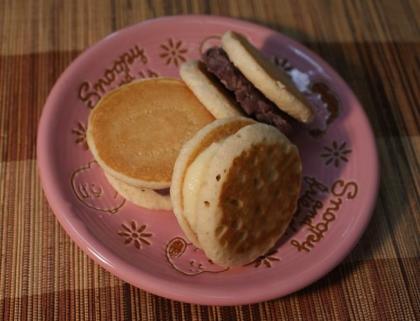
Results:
147 248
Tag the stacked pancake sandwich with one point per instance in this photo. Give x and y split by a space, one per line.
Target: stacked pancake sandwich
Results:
135 133
236 79
234 189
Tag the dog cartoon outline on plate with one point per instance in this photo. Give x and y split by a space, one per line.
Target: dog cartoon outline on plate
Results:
101 197
187 259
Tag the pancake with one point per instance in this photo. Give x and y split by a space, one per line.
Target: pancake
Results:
249 98
141 196
235 188
211 93
136 131
216 131
266 77
248 195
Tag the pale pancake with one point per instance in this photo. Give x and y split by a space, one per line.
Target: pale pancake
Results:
209 91
216 131
141 196
249 195
266 77
136 131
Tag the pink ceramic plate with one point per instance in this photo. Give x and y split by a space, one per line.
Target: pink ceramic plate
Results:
147 248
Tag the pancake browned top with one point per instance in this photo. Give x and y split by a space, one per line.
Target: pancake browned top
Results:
136 131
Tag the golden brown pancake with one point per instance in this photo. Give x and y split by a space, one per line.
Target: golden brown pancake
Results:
136 131
235 188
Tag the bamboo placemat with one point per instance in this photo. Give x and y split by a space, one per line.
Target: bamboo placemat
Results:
374 45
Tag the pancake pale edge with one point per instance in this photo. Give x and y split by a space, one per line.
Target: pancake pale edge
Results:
141 196
209 92
217 130
136 131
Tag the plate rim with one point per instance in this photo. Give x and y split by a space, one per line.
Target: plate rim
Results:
149 282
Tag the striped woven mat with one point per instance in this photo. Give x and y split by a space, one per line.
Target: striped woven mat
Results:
374 45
